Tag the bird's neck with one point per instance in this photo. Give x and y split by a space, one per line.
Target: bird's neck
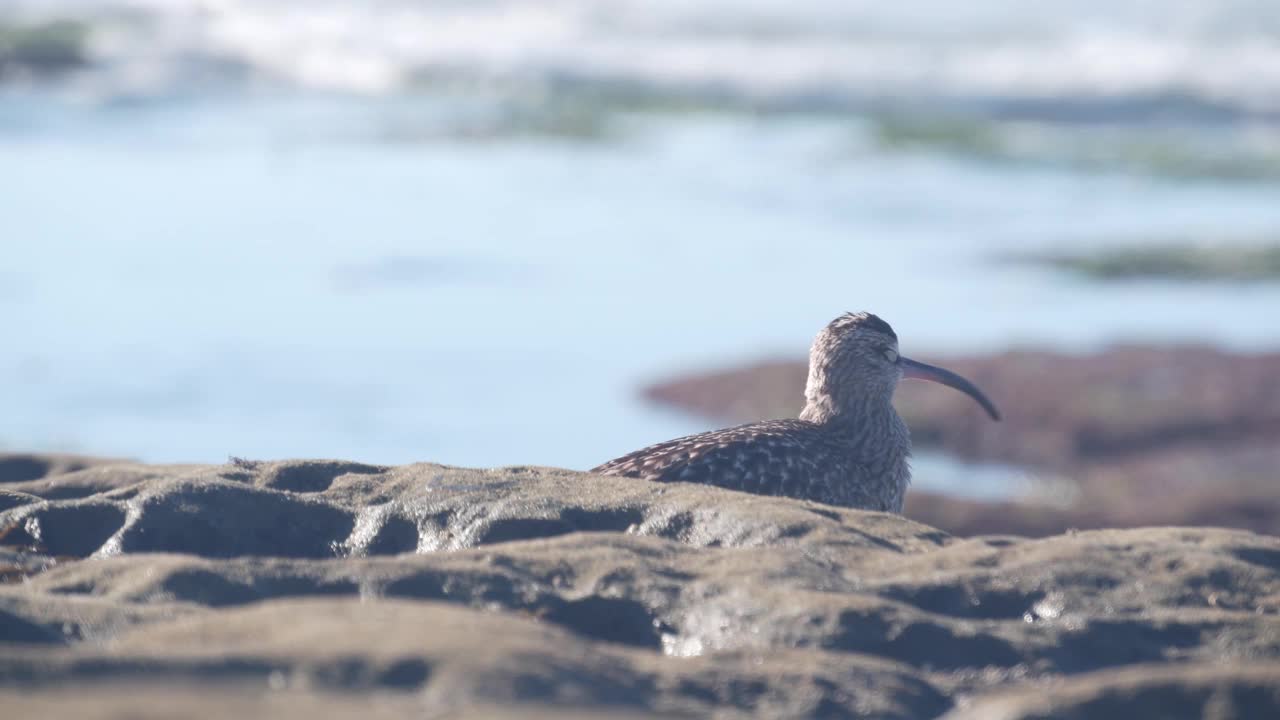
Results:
875 438
868 419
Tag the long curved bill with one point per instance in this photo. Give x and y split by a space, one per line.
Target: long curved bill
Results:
921 371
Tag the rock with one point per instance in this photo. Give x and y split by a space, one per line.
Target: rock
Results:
1228 504
165 702
43 48
1213 692
1223 260
24 467
540 590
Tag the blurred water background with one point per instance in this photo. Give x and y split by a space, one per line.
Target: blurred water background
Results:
467 232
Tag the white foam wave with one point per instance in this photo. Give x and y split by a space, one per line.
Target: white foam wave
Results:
1224 53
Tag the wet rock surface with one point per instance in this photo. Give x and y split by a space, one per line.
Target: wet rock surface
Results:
309 588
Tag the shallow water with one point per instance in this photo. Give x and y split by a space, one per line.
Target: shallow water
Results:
401 276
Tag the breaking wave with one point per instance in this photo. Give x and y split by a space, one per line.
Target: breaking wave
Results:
1195 61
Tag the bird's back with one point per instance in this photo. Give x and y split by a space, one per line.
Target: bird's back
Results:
793 458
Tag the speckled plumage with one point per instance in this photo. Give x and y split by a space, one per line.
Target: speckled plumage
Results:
792 458
848 447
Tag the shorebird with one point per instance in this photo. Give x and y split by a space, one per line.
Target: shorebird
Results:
848 447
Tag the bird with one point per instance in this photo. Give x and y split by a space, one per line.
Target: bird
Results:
849 447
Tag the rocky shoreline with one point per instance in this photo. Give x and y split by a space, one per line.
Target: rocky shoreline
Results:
321 588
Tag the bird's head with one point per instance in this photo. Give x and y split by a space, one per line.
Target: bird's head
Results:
854 361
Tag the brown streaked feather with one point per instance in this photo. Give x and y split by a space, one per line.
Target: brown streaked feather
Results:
792 458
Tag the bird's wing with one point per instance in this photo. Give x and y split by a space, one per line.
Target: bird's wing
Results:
760 457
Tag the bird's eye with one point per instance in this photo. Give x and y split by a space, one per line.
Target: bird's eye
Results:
891 355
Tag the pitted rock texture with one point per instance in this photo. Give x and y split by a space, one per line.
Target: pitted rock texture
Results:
494 593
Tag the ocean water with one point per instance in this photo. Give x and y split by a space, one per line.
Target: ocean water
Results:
469 232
